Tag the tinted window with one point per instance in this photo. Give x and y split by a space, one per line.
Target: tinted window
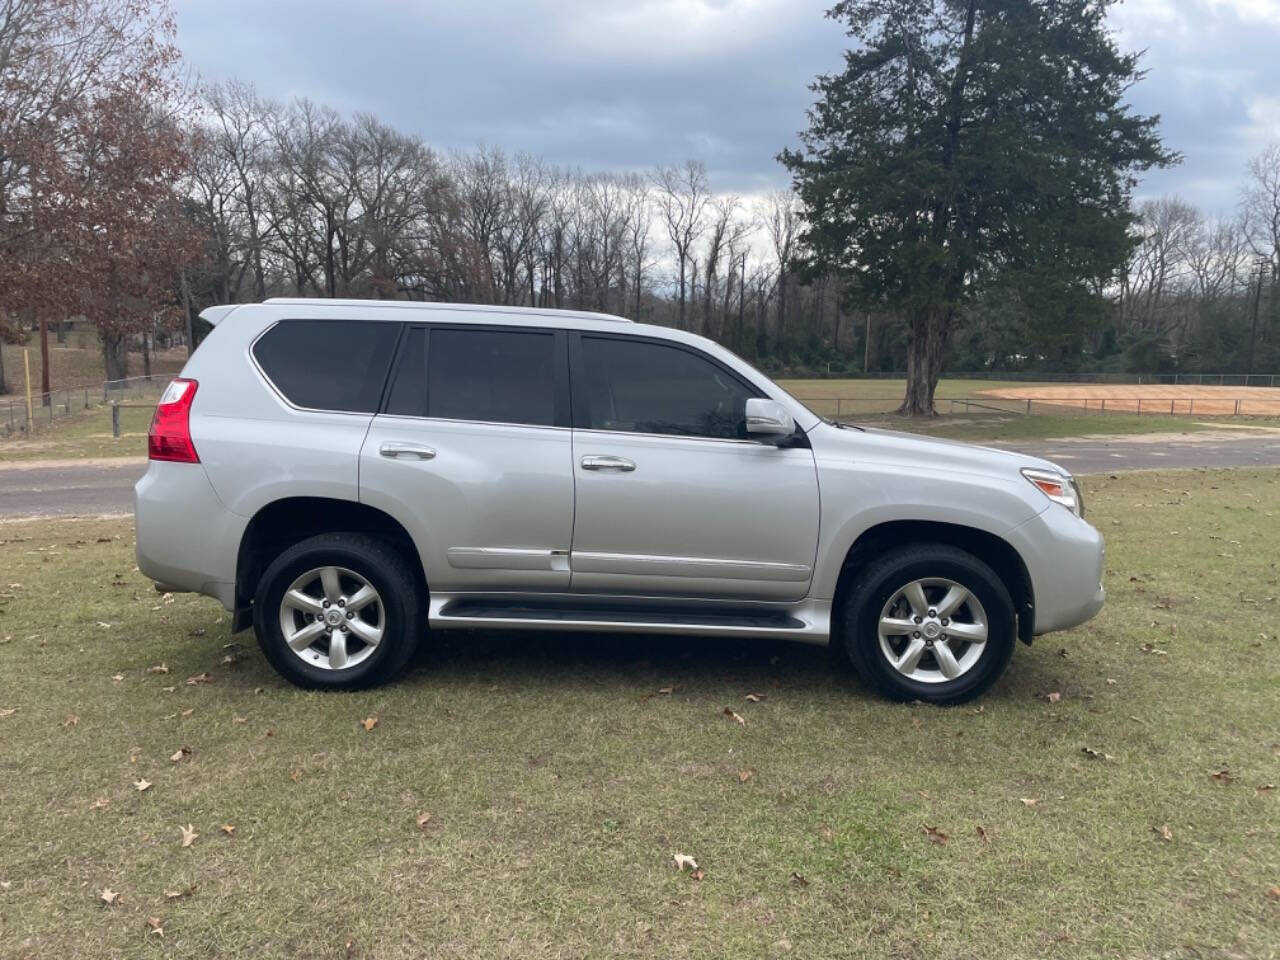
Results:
408 396
328 364
497 376
650 388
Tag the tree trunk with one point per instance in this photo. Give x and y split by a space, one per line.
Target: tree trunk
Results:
926 347
4 387
45 388
115 353
146 355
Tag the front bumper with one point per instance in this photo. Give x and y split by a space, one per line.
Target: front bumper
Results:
1064 557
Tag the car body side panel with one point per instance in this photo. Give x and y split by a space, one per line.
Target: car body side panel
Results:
492 509
695 517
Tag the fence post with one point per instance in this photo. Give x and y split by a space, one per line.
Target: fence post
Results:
1139 406
1237 413
1191 407
115 418
86 398
1104 404
1028 405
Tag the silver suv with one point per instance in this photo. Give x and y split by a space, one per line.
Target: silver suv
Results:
347 476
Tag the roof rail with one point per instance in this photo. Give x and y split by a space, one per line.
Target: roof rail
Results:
447 307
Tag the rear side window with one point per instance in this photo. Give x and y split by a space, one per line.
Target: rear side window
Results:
328 364
491 376
642 387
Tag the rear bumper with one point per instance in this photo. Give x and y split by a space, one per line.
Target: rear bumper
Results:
186 538
1064 557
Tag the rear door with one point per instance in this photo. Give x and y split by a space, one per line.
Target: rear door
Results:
472 450
672 498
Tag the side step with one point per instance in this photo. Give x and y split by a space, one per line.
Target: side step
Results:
647 616
809 621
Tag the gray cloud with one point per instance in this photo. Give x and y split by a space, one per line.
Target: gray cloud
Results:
625 84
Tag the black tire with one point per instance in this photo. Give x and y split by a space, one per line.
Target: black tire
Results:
384 568
876 584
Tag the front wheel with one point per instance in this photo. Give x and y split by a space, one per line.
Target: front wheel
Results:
929 622
339 611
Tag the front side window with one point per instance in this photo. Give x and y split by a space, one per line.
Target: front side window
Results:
642 387
328 364
492 376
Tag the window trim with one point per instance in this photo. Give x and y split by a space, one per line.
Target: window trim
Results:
560 354
280 394
582 404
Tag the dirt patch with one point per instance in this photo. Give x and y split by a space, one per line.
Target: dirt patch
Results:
1153 398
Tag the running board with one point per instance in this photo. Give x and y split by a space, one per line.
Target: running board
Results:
726 621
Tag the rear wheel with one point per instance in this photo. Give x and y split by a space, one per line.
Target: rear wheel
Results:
929 622
338 611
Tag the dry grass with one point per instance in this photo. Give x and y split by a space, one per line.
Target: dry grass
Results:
561 782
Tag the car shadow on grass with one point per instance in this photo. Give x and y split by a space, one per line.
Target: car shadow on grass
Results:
638 662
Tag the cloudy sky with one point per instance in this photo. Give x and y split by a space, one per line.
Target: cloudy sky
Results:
625 84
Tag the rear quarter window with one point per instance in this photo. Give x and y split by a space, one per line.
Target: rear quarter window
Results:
328 364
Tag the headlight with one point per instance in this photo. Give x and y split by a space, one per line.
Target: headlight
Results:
1060 488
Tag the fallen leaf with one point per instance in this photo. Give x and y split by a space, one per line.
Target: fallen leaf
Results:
935 835
1028 801
71 721
369 723
423 819
1165 832
1273 893
108 896
8 712
104 625
189 711
682 861
141 784
697 875
982 835
1149 648
239 719
117 677
1096 754
745 775
205 677
665 691
1265 787
799 878
295 775
1054 697
158 668
100 803
1221 776
230 659
730 713
180 754
188 835
229 829
179 894
157 927
754 697
168 689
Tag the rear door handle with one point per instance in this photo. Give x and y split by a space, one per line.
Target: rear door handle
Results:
398 450
621 464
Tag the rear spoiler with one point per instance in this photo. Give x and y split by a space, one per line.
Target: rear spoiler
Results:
215 315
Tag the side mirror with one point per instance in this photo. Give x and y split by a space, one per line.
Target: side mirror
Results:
768 419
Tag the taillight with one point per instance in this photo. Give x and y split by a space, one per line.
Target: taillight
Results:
170 434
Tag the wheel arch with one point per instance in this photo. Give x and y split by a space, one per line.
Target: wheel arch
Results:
282 523
991 549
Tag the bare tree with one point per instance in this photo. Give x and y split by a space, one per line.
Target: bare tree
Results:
681 196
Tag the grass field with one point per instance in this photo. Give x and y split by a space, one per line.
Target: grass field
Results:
562 773
73 365
87 433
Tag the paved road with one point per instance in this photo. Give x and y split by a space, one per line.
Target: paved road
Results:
69 488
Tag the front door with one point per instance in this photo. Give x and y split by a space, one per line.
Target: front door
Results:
472 452
671 498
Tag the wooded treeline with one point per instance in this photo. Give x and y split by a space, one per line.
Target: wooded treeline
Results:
132 201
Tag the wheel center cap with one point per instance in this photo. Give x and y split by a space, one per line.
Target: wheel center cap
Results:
932 630
333 617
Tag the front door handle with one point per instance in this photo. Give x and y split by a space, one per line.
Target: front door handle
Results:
621 464
398 450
